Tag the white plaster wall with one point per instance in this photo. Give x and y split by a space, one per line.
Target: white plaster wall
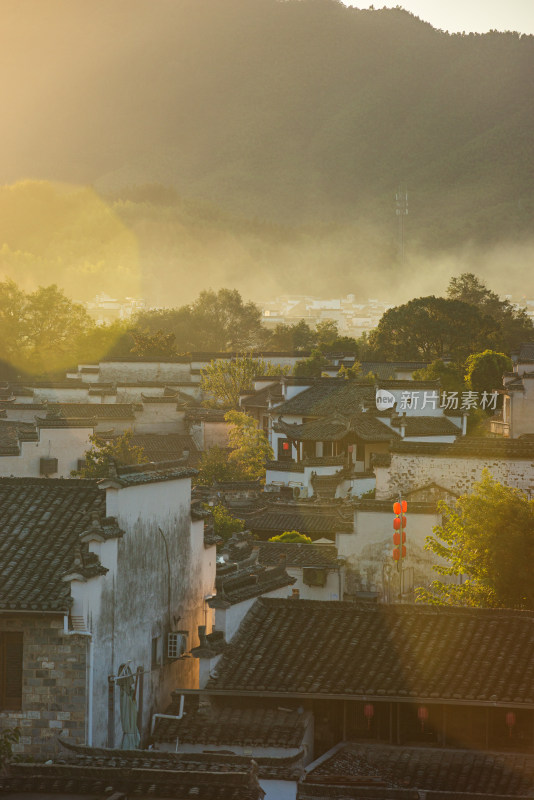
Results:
159 418
522 410
371 545
66 444
64 395
216 434
122 371
408 472
228 620
332 590
129 606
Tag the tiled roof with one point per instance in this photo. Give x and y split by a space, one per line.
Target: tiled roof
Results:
41 525
149 473
12 433
295 554
457 772
311 519
388 651
122 773
335 427
165 446
526 351
246 581
284 466
261 398
94 410
224 723
328 396
427 426
471 447
198 414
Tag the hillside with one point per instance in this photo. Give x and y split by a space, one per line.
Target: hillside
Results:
304 113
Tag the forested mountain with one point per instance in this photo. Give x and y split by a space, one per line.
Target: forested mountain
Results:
304 114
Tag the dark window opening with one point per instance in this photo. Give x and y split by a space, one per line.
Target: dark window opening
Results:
11 671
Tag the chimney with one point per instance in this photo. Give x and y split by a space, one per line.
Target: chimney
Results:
295 594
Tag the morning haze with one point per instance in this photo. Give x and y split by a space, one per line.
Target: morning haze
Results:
155 149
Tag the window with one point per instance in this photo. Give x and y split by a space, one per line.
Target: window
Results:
284 450
10 671
156 651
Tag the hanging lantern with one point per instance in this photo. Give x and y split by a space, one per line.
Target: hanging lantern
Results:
510 721
369 712
399 524
422 713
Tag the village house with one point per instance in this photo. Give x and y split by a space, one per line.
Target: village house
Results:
517 416
103 589
420 684
324 432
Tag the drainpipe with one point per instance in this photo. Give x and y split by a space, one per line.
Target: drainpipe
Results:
168 716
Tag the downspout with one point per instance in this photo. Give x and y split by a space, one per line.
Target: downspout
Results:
168 716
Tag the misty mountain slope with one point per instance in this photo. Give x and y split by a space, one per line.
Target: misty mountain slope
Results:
303 113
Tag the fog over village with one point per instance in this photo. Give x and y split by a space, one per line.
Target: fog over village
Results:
266 400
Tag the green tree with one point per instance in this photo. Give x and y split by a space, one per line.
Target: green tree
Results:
484 371
216 321
250 448
298 336
514 325
12 303
214 467
488 537
326 333
105 452
224 524
350 373
154 345
428 328
291 537
311 367
223 381
449 375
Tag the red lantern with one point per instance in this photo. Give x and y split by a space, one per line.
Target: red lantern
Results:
396 554
399 522
404 506
397 508
397 537
369 712
422 713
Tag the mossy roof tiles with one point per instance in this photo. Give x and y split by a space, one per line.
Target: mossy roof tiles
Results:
480 656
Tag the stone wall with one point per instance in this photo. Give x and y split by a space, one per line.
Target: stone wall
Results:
53 685
409 471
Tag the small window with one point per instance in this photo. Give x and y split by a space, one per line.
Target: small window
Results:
11 671
155 658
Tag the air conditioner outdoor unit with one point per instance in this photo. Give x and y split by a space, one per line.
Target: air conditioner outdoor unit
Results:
299 492
176 644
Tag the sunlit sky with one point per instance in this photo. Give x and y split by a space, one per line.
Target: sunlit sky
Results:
466 15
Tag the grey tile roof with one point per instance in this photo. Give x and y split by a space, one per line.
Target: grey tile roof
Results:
457 772
93 410
427 426
471 447
41 525
328 396
246 581
312 519
262 397
297 554
149 473
13 433
385 370
224 723
481 656
198 414
138 774
165 446
526 351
